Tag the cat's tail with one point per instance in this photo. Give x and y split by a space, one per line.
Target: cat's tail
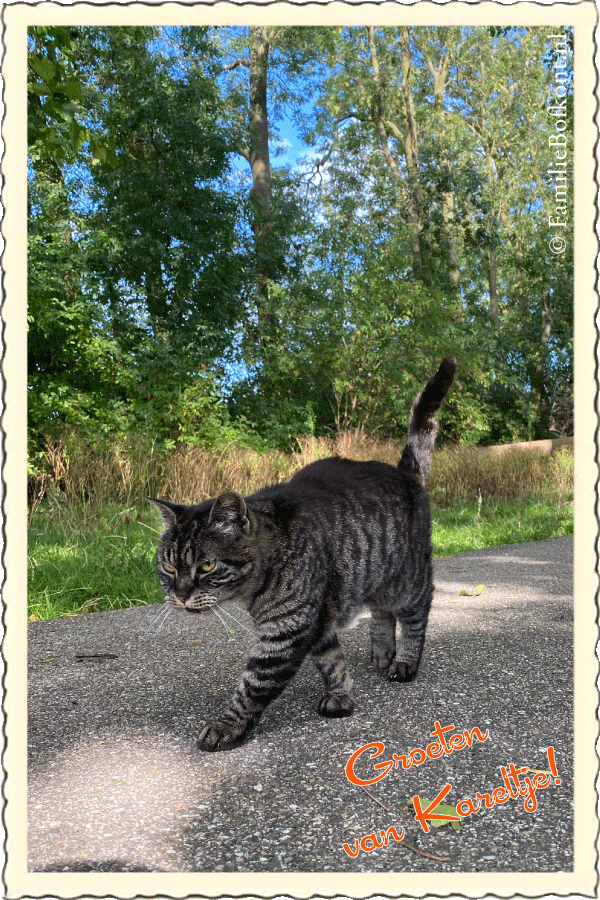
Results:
423 424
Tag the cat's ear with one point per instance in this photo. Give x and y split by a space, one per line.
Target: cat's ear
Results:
168 511
229 512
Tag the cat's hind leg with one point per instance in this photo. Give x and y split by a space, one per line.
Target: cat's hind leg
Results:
383 639
408 655
413 617
398 662
338 699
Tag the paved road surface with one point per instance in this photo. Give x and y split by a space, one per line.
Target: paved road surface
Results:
117 699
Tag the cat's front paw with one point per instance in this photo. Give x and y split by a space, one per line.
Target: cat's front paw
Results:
220 737
336 706
400 671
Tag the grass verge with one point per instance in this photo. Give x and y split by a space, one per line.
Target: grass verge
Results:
99 563
471 526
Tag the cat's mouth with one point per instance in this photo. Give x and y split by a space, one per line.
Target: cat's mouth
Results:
192 604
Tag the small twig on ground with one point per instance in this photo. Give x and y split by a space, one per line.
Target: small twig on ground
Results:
373 797
404 844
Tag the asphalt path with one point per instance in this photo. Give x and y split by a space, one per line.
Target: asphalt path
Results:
117 700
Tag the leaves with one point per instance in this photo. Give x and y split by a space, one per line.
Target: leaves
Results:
478 590
56 103
442 809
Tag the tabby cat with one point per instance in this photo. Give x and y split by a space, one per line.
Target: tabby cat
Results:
304 557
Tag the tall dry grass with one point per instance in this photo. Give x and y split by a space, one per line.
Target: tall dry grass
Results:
464 474
128 471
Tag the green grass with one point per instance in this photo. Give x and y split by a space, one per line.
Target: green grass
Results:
470 526
84 559
106 562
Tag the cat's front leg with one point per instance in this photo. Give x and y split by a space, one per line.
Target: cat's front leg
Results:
274 660
225 735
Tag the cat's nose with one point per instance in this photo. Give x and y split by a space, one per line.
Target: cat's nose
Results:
183 592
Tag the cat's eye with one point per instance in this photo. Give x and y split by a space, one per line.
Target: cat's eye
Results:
208 565
169 569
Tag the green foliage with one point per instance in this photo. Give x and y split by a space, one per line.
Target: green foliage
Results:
55 109
73 364
426 236
162 238
459 199
133 296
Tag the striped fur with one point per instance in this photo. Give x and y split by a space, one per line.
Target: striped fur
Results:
305 557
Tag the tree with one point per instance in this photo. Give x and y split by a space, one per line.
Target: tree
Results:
272 207
144 247
417 228
71 363
454 122
162 232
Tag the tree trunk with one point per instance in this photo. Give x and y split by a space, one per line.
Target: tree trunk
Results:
261 194
411 153
538 377
449 234
410 190
440 80
492 271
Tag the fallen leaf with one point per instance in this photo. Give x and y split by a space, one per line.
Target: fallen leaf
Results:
478 590
442 809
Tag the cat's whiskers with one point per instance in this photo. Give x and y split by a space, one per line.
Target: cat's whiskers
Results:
160 618
244 612
228 630
231 616
154 612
